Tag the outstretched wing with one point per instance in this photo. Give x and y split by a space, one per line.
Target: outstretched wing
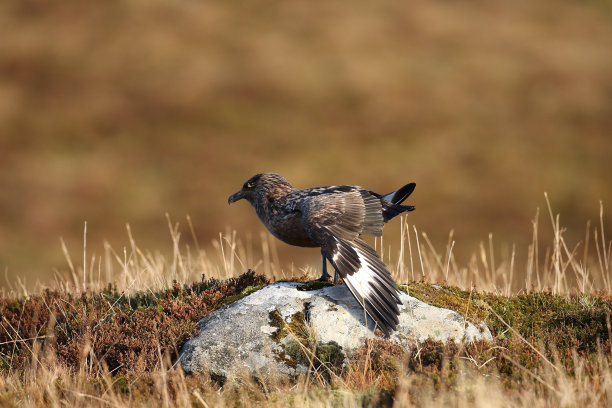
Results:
334 221
350 210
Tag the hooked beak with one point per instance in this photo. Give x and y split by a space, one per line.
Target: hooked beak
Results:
235 197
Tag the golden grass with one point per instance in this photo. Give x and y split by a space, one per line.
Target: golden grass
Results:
562 267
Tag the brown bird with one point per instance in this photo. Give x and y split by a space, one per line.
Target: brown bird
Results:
333 218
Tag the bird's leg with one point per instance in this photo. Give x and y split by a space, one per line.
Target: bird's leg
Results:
335 276
324 276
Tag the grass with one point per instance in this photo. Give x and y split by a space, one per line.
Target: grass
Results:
90 342
129 333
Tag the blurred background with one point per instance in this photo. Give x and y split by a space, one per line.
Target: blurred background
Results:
117 112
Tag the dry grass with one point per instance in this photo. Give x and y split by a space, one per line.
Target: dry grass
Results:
552 335
560 267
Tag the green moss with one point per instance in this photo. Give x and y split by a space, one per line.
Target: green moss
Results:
247 291
462 302
297 356
301 347
291 353
330 354
122 385
276 320
314 285
296 326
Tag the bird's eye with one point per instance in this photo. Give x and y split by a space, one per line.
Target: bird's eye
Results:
249 184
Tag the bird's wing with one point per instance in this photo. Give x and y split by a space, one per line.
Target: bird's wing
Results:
334 221
350 209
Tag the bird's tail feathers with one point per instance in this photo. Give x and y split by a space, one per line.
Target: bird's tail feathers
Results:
398 196
393 210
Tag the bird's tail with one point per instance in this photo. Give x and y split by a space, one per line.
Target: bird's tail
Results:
397 197
391 202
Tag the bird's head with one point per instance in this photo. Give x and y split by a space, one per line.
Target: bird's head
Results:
261 188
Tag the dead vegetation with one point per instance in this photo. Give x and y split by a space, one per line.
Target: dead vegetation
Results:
128 334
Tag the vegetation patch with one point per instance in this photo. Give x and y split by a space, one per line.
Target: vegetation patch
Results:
314 285
528 328
127 334
119 340
233 298
301 347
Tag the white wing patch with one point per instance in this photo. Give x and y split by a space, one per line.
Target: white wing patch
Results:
368 279
362 279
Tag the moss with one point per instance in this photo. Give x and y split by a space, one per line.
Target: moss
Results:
122 385
233 298
330 354
295 325
325 357
290 353
297 356
301 348
299 279
276 320
462 302
314 285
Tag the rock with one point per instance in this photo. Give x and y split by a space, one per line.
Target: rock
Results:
260 331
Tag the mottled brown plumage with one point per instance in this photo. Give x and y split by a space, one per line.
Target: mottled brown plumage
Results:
333 218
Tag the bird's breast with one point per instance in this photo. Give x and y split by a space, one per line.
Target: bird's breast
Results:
289 229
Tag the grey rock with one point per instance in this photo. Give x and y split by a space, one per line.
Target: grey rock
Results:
245 336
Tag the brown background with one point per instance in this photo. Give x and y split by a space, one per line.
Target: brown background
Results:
118 112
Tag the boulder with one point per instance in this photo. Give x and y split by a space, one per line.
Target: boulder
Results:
269 331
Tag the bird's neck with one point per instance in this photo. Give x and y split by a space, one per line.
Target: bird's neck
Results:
264 206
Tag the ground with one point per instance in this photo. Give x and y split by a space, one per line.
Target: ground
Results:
103 348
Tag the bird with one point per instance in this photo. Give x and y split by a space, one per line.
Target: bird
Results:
334 218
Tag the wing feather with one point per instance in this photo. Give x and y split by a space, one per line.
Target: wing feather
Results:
334 220
368 279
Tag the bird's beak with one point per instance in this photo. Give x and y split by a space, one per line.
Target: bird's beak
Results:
235 197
